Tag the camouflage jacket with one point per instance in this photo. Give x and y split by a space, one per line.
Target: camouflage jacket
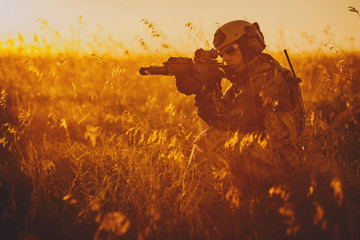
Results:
264 97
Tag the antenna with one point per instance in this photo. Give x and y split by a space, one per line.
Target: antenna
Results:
288 59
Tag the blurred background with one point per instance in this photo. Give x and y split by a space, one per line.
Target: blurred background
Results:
299 25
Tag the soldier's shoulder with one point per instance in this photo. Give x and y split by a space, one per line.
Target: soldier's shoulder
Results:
264 68
265 65
268 74
278 71
261 65
275 65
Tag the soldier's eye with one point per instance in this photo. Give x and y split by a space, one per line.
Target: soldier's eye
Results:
229 51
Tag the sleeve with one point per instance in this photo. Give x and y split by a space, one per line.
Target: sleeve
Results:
187 84
259 103
279 121
211 107
239 109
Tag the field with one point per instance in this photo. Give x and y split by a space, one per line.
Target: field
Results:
89 149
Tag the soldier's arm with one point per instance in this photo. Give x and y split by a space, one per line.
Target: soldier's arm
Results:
227 112
279 121
211 107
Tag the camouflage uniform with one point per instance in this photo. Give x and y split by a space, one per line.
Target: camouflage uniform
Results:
264 99
255 132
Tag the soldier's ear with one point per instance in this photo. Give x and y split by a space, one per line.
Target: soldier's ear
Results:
252 43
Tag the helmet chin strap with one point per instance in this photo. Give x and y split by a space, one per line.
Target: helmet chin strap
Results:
242 65
239 67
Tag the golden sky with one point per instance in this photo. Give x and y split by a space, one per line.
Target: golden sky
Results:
296 24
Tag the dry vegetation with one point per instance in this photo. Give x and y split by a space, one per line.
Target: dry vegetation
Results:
91 150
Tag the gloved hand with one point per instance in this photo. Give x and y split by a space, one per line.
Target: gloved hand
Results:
188 84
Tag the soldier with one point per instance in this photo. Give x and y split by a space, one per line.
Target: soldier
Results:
255 126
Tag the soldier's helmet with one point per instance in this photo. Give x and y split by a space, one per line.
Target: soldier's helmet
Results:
247 35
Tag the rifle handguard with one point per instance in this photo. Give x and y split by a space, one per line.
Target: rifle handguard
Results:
154 70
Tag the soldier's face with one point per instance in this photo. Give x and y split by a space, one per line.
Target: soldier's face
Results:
234 59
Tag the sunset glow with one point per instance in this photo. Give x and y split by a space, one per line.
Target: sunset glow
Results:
300 25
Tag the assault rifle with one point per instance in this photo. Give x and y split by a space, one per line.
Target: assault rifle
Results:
204 67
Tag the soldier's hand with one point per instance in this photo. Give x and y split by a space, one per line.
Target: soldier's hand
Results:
208 74
188 84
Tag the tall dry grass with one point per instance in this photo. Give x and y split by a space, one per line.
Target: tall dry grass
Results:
90 149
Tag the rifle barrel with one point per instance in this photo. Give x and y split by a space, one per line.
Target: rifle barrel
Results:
154 70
